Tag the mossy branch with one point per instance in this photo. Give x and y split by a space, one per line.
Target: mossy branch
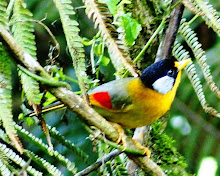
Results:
76 104
18 160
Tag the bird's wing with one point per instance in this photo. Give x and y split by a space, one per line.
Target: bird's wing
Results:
112 95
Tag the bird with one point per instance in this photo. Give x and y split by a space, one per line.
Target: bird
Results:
135 102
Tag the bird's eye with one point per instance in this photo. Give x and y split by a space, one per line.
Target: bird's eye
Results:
171 72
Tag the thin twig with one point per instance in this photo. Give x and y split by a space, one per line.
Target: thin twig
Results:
148 43
98 163
54 40
56 44
150 40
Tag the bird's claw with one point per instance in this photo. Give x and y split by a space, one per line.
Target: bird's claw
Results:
146 150
122 139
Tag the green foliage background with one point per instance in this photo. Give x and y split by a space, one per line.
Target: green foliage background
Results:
197 134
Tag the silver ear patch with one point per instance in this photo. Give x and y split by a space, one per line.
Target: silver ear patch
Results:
164 84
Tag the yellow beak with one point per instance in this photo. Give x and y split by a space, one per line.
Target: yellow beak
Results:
181 64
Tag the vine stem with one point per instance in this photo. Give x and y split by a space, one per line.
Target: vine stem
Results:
44 80
150 40
147 44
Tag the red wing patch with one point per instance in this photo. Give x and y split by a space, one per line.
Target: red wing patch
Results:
101 99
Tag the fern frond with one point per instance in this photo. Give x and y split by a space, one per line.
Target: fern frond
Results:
3 14
60 138
6 99
38 142
118 167
209 14
103 20
102 149
23 29
180 54
18 160
192 40
30 87
40 161
191 5
3 169
74 44
3 136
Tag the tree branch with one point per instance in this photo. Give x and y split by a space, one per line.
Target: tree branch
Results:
76 104
165 48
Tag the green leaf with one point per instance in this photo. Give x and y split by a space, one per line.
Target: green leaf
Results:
132 28
98 49
49 99
29 120
75 46
104 61
112 5
30 87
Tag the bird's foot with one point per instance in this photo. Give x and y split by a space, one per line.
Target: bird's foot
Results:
146 150
122 140
122 137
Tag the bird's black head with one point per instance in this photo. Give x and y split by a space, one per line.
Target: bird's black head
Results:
161 75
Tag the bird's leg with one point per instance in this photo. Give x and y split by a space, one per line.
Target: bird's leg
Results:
138 139
122 138
141 147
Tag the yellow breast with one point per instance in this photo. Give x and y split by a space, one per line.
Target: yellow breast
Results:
148 105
